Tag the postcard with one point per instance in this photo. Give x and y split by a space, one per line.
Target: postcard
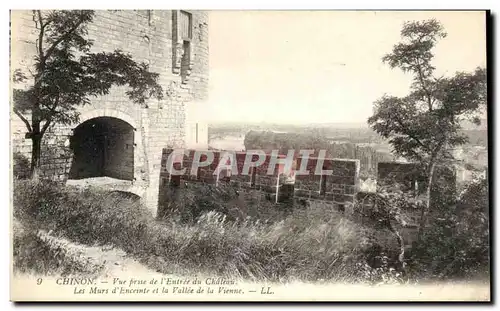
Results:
285 155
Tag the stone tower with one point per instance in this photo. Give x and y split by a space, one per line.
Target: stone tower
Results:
114 137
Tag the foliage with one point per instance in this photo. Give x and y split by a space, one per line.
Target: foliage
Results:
383 274
269 140
35 252
426 125
186 204
390 207
21 166
456 245
66 74
310 244
426 122
95 220
315 140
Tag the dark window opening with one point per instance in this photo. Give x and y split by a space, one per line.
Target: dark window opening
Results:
341 208
185 33
103 146
185 61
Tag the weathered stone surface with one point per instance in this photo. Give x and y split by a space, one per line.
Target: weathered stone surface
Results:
150 36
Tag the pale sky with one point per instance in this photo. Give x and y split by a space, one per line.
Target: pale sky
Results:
321 66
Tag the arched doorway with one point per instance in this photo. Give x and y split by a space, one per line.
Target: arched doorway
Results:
103 146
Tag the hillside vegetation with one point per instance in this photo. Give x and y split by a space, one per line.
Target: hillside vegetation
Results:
311 243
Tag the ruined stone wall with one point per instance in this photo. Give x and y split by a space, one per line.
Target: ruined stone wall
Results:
150 36
368 213
410 177
338 189
257 178
340 186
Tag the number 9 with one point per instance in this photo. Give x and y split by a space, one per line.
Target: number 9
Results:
39 281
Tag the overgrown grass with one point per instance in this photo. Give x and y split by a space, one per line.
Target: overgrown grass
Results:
187 204
36 251
315 243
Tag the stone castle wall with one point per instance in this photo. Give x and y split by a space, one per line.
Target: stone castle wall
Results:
150 36
338 188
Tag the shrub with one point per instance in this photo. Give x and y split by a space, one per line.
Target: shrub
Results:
456 243
36 253
309 245
316 243
187 204
21 165
89 216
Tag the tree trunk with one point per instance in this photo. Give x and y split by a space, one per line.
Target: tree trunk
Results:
36 140
401 256
401 244
426 208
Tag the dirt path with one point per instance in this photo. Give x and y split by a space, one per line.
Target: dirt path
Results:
115 263
109 260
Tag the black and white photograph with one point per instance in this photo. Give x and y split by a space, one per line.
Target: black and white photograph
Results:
250 155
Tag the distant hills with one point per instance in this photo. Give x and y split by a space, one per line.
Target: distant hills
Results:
334 125
353 132
268 125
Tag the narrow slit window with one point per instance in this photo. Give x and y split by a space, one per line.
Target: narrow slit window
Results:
186 25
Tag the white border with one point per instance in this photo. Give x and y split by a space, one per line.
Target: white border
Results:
190 4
